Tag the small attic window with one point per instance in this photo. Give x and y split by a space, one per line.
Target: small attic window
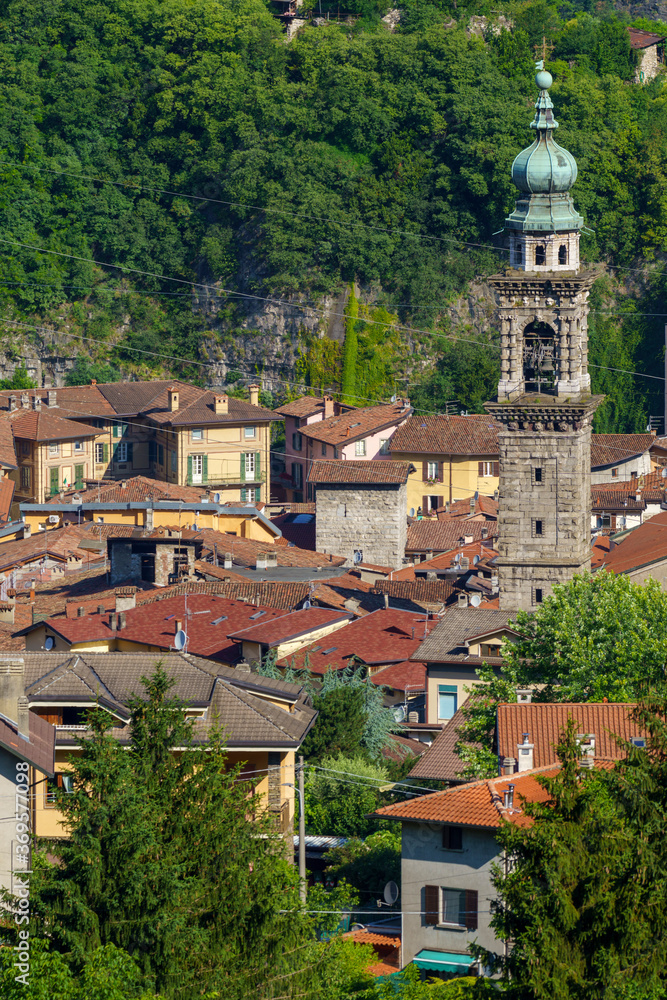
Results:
258 614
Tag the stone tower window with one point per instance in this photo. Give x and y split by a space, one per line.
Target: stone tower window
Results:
540 254
538 528
537 474
540 359
562 254
518 250
537 595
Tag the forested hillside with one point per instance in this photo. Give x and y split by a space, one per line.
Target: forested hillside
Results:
190 142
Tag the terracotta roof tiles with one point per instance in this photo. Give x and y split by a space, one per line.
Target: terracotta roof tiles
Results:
430 535
613 449
641 547
443 435
290 626
374 472
357 423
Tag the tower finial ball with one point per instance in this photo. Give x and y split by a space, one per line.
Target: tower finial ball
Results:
543 79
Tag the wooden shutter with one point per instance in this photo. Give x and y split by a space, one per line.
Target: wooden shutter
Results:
424 505
432 904
424 471
258 467
78 476
258 494
105 452
440 502
480 468
130 451
471 909
204 468
189 470
496 468
116 430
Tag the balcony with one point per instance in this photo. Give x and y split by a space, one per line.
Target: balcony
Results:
213 481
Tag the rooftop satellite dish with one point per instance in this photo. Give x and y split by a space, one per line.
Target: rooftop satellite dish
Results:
49 642
180 639
306 605
358 557
457 558
476 600
390 893
475 560
664 473
412 512
393 398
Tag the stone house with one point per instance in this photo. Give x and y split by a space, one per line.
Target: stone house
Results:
357 434
166 430
265 720
361 510
650 49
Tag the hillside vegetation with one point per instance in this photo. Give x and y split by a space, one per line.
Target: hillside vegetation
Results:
190 141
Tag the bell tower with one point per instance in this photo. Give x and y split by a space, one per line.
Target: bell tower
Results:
544 407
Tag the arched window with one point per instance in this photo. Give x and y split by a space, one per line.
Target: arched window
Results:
540 255
562 254
541 362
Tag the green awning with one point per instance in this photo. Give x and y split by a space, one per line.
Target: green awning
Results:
443 961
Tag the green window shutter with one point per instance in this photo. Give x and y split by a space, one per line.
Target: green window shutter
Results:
105 452
243 467
189 470
204 468
130 451
53 480
258 494
115 453
78 476
116 430
258 467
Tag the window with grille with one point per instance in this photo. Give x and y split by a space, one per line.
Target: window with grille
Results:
360 448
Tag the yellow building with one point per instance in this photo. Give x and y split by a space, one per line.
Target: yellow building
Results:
265 721
454 458
166 430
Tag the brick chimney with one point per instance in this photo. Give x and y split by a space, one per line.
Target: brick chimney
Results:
27 531
328 407
113 621
525 753
126 598
36 402
122 621
25 400
12 402
12 686
52 397
173 398
222 404
254 394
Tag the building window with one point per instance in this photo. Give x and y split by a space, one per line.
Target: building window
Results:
452 838
537 474
432 470
99 454
487 469
174 461
197 434
537 595
25 478
614 473
119 430
324 450
197 468
360 448
358 556
121 451
384 446
297 441
518 249
249 433
160 454
540 254
336 452
447 700
78 446
604 521
562 254
454 907
538 528
54 450
25 447
297 475
489 649
250 468
251 494
61 782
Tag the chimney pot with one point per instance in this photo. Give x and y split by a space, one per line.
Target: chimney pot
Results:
173 398
27 530
80 611
254 394
12 683
51 397
23 719
508 797
328 407
113 621
36 402
526 753
12 402
121 620
524 696
222 404
25 401
243 667
101 610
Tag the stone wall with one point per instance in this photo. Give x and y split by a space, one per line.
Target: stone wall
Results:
367 518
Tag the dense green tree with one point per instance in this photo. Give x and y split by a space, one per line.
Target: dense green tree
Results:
171 859
339 727
341 791
19 380
368 864
350 349
598 636
85 370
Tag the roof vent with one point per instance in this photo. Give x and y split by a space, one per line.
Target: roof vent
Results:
508 797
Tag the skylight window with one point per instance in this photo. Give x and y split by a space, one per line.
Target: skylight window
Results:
331 649
222 618
303 518
314 649
258 614
358 424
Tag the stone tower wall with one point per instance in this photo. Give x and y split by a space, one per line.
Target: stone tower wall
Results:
362 517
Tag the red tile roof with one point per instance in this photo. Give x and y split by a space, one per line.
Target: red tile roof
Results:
45 425
408 675
386 636
154 624
84 400
377 472
58 544
615 500
38 750
544 723
431 591
641 547
470 507
446 560
7 450
613 449
304 406
643 39
244 551
442 435
429 535
137 489
290 626
478 804
356 424
441 761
